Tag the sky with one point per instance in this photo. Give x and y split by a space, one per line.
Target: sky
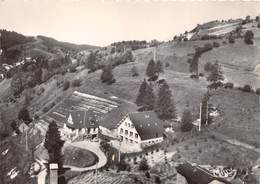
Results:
101 22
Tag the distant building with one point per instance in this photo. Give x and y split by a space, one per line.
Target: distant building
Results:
80 123
141 129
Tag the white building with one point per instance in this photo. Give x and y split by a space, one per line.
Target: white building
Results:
80 123
141 129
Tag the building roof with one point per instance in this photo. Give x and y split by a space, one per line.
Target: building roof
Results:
78 119
196 175
112 119
147 125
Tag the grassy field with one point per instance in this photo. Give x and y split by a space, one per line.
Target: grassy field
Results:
240 114
79 157
205 150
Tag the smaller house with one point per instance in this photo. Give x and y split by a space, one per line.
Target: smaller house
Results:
141 129
81 123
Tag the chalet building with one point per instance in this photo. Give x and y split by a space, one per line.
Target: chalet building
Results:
141 129
80 123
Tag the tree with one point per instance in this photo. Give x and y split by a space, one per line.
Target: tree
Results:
91 61
149 98
107 75
248 38
16 84
165 106
151 69
142 90
216 74
24 116
186 121
159 67
54 144
143 166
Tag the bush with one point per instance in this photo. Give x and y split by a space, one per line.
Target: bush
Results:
157 180
201 74
66 85
167 64
216 44
229 85
224 42
248 38
72 68
76 83
143 165
231 40
147 174
208 67
247 88
257 91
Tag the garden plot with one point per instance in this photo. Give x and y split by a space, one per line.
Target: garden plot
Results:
82 102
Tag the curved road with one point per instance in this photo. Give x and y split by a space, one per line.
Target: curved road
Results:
93 147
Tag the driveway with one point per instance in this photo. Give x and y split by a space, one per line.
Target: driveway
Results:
93 147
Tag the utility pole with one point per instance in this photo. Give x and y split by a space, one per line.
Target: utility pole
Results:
154 53
200 117
119 152
84 124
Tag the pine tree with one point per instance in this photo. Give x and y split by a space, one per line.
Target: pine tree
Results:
107 75
91 61
216 74
186 121
151 69
159 67
54 144
142 91
149 98
165 107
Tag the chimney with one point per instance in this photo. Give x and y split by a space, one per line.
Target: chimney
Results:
53 173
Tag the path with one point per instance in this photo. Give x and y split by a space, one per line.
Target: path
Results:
93 147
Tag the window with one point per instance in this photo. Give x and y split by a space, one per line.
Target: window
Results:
131 141
131 134
126 139
121 138
121 130
126 132
136 136
136 142
125 123
156 134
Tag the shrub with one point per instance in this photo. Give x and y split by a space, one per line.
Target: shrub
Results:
76 83
157 180
167 64
248 38
143 165
201 74
247 88
72 68
257 91
216 44
231 40
208 67
66 85
147 174
224 42
229 85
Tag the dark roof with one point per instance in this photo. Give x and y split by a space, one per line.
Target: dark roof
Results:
78 119
112 119
147 124
196 175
